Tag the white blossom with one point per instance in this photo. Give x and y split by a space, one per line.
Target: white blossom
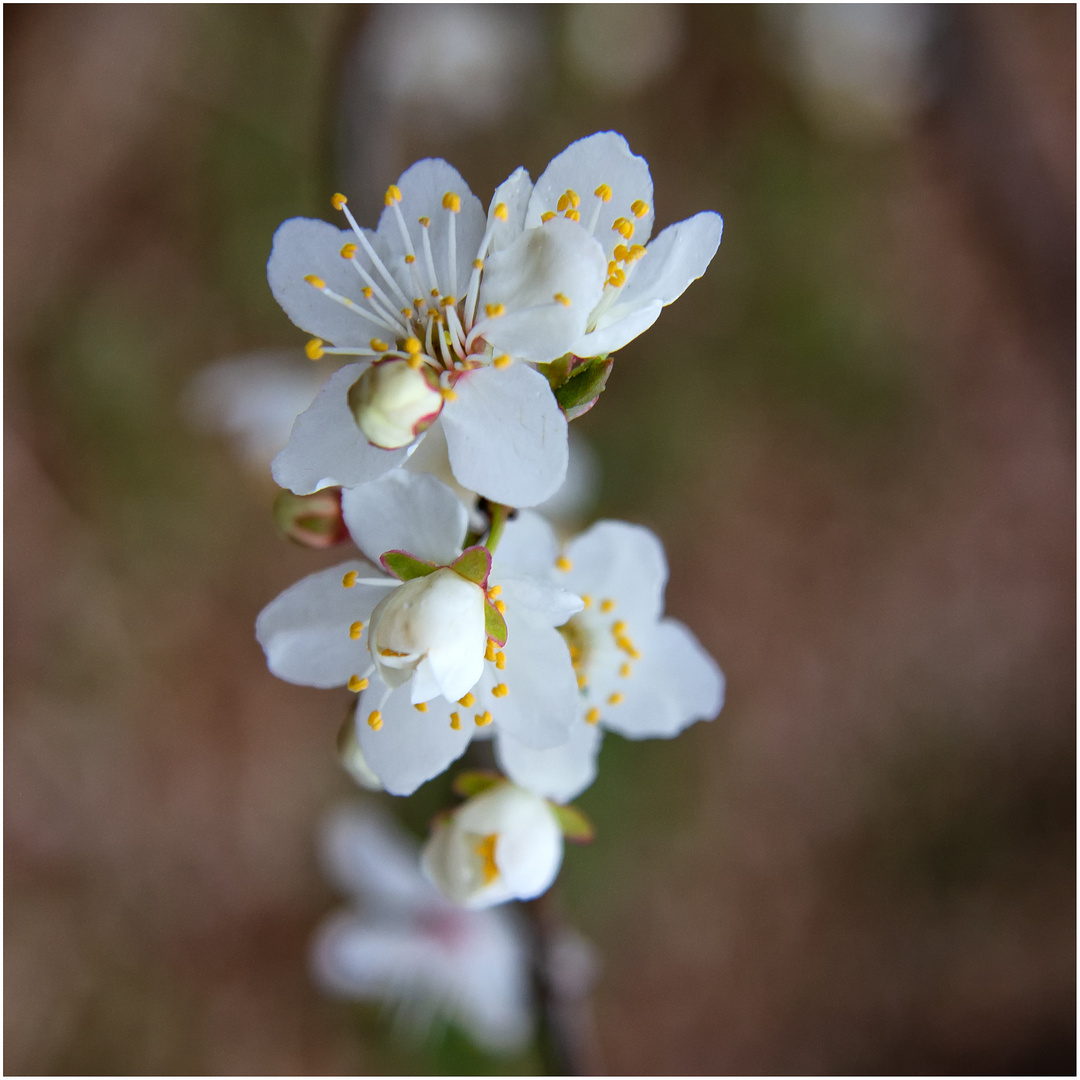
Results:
404 944
638 673
503 844
425 654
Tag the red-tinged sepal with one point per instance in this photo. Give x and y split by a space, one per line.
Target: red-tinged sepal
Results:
474 564
579 393
576 827
404 566
494 624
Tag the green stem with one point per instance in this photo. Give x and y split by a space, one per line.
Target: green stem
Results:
499 516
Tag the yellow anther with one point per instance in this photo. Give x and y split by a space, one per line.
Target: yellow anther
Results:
368 292
547 215
314 349
425 221
421 707
393 195
573 215
489 650
348 251
626 671
415 361
628 647
478 264
618 627
582 681
563 203
356 684
592 716
564 564
410 259
607 605
451 202
349 580
639 207
562 298
635 253
493 311
378 345
612 266
455 721
447 393
418 301
407 312
575 198
411 345
586 599
434 292
500 661
467 701
501 361
621 254
618 279
603 193
500 690
356 630
375 720
500 606
486 850
448 301
338 201
501 212
615 699
624 227
575 653
312 279
483 720
495 592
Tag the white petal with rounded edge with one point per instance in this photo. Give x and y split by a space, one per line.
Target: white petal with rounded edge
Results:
326 447
305 246
618 326
603 158
411 746
528 546
677 257
305 631
559 258
675 683
409 512
450 860
506 435
514 194
545 602
622 562
561 773
423 186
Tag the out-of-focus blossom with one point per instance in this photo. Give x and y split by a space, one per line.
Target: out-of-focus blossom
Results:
405 945
639 674
503 844
860 69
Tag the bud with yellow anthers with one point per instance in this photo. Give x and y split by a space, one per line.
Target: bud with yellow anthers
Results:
393 401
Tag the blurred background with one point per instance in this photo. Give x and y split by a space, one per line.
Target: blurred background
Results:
856 435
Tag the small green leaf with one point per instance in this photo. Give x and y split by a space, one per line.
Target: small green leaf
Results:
494 624
579 393
474 564
473 782
576 827
405 566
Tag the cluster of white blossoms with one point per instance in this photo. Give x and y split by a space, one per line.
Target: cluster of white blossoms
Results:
493 330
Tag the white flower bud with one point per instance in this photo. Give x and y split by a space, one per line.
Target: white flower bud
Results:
393 402
504 844
434 627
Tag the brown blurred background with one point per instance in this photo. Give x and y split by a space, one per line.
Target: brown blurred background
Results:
856 435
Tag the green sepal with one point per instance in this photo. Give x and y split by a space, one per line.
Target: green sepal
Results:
576 827
494 624
578 394
405 566
475 781
474 564
558 371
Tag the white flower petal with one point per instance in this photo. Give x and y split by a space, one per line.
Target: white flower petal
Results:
617 327
603 158
558 259
305 246
675 683
506 435
513 193
546 603
423 186
677 257
528 546
622 562
408 512
326 447
411 746
355 957
561 773
305 631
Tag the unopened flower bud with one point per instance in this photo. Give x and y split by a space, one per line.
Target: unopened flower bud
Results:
503 844
393 402
312 520
433 626
352 758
